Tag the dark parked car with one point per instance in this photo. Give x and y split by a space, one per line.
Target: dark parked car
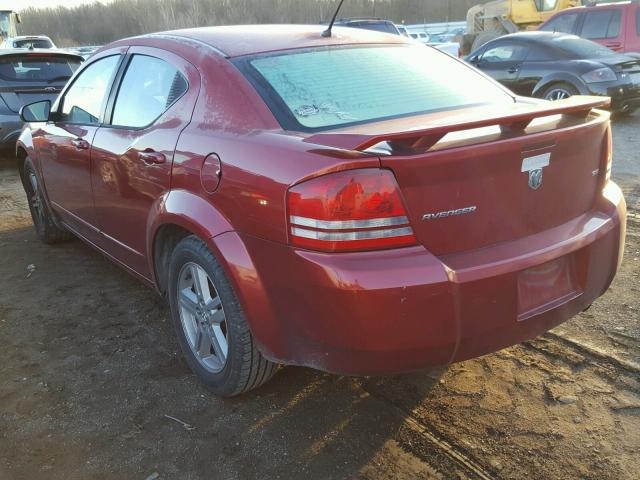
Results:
556 66
614 25
297 199
27 76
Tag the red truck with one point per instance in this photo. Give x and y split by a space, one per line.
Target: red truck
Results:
614 25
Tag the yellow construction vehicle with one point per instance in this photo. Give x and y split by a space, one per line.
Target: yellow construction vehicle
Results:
499 17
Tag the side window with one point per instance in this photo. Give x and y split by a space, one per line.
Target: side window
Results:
149 87
601 24
540 54
638 21
85 99
562 23
504 53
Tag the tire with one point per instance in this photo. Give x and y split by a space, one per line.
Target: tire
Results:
559 91
486 37
46 228
206 313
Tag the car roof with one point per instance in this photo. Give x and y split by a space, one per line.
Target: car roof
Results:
233 41
29 37
537 36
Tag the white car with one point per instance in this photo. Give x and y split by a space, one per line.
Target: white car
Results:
27 41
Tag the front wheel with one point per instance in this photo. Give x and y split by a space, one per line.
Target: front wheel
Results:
46 228
210 325
559 91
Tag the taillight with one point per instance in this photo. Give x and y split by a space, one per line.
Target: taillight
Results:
348 211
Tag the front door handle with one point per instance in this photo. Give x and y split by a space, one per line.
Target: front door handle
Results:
514 69
80 144
151 157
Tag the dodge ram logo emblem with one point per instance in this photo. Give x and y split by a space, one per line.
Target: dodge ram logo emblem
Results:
535 178
534 166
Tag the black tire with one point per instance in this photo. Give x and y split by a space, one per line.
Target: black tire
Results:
569 90
244 367
46 228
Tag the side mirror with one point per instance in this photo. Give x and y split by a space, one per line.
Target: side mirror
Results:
475 60
36 112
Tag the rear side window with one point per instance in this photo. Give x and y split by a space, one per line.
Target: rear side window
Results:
37 68
85 99
562 24
638 21
149 87
601 24
330 87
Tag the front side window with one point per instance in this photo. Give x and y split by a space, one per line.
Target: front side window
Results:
504 53
602 24
85 99
149 87
29 68
335 86
562 24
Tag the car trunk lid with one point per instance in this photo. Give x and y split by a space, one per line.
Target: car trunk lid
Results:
497 176
17 96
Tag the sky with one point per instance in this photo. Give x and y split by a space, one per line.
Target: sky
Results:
22 4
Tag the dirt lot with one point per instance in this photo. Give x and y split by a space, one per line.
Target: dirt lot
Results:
91 386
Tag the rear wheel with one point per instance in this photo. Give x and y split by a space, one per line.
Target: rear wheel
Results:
559 91
210 325
46 228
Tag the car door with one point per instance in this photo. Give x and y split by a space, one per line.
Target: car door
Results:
542 60
604 26
502 61
133 152
64 144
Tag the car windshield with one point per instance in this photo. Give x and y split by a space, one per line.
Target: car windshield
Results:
33 43
324 88
37 68
580 48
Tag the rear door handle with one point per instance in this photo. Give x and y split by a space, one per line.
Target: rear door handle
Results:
151 157
80 144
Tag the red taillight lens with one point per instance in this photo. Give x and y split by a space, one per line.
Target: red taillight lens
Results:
348 211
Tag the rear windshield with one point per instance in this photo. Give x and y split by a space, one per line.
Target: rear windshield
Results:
580 48
325 88
47 69
33 43
385 27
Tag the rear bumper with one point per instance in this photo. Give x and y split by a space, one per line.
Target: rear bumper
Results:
399 310
624 97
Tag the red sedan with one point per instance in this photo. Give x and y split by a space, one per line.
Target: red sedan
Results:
354 203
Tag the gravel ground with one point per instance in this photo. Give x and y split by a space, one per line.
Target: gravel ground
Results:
91 386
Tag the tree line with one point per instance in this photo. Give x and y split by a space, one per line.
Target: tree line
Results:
97 23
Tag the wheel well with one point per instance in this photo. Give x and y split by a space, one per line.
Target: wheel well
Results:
167 237
21 154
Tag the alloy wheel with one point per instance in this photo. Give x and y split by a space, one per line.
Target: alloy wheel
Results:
202 317
35 201
557 94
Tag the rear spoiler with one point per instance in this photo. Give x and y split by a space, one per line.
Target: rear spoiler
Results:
410 133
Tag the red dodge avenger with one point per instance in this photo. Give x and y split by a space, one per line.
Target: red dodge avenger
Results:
354 202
